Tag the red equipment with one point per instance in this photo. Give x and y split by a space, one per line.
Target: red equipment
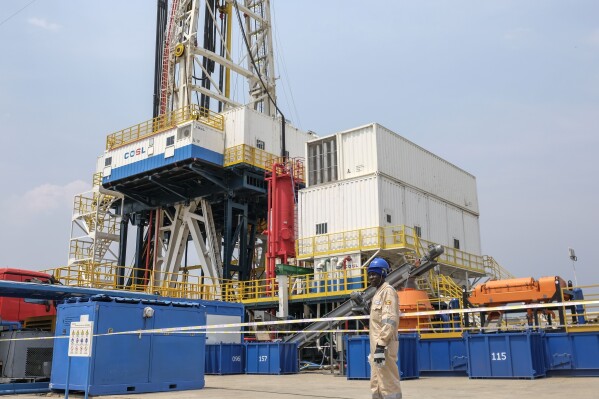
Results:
284 179
17 309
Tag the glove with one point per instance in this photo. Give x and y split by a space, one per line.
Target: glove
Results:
379 355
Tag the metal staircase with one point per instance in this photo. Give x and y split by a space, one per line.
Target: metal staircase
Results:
95 229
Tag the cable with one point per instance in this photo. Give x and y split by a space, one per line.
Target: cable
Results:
281 58
247 45
18 11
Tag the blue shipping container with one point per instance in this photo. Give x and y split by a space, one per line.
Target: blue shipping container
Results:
358 348
271 358
225 359
505 355
131 363
218 312
575 354
442 356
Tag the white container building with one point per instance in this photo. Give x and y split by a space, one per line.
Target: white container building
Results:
243 129
369 189
245 126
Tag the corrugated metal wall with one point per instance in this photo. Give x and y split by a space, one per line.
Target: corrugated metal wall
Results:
245 126
347 205
415 166
373 148
391 202
357 153
437 229
472 234
366 201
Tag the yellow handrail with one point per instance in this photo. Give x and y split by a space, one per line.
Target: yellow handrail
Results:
165 122
249 155
183 285
495 270
388 237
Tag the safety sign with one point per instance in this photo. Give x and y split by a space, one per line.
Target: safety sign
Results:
80 338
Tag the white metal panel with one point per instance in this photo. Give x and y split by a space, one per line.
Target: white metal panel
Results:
416 211
472 234
391 202
437 218
417 167
455 226
365 202
348 205
357 152
138 150
246 126
235 127
100 163
224 337
206 137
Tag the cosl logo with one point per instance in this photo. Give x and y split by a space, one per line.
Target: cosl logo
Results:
134 153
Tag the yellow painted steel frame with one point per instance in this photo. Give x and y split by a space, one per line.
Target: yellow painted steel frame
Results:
589 312
441 335
165 122
249 155
183 285
388 237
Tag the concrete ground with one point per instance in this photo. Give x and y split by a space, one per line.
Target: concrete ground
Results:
325 386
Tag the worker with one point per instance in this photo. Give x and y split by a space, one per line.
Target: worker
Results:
384 344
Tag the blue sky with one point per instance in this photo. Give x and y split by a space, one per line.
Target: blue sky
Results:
507 90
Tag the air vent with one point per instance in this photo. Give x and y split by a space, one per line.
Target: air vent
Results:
183 132
38 362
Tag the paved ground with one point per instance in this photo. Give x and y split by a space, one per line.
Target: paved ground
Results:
325 386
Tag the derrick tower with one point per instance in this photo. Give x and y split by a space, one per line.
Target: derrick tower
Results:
193 177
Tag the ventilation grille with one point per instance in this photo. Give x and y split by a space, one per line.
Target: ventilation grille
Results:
38 363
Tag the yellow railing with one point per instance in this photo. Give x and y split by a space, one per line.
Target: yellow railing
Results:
165 122
183 285
97 179
394 237
445 287
583 317
249 155
106 276
495 270
301 287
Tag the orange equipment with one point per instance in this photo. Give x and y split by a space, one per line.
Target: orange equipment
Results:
518 290
412 300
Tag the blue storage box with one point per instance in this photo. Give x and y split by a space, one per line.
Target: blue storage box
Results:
271 358
218 312
505 355
131 363
358 348
225 359
575 354
442 356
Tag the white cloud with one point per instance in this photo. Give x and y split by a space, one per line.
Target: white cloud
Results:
44 199
43 23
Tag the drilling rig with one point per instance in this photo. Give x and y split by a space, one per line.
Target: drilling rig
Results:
194 176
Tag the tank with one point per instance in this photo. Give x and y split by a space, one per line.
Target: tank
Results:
412 300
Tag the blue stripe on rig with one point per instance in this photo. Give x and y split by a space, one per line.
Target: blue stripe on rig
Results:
157 161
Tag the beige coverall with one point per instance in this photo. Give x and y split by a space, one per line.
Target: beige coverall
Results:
384 319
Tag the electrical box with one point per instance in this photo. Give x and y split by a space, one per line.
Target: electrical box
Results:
124 359
29 357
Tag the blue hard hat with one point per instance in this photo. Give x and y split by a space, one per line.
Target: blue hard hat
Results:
379 266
